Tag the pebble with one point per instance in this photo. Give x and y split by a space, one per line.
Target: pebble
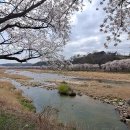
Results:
115 100
125 115
79 94
127 121
107 101
120 103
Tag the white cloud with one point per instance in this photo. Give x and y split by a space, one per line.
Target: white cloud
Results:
86 38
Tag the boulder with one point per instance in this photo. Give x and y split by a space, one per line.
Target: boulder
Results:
72 93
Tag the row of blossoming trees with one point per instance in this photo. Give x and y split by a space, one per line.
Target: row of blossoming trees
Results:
116 65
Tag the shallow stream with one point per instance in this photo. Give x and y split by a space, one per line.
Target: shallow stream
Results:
82 110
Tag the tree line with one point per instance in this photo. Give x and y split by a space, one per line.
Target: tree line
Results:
97 58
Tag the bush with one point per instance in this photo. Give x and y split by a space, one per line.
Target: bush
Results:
64 89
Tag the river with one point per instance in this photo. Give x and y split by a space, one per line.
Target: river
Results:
84 111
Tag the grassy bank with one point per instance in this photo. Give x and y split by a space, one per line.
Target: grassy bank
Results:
17 112
12 110
12 98
100 75
11 121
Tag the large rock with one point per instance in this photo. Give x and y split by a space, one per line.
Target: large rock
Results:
72 93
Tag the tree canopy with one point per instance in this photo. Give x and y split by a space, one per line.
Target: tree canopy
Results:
40 28
97 58
116 23
34 28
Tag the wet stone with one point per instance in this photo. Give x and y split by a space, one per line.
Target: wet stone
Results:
120 103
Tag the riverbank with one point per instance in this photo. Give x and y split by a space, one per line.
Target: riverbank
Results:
14 113
18 112
117 94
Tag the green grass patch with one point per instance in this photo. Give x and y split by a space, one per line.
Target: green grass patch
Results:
12 122
64 88
27 104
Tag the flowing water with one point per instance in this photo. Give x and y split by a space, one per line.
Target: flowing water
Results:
84 111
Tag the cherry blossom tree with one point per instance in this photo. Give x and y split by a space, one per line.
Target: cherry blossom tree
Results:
34 28
83 67
116 24
40 28
117 65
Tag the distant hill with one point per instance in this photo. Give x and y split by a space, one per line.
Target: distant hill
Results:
17 64
40 63
97 58
91 58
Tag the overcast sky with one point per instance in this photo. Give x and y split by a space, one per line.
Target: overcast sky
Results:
85 35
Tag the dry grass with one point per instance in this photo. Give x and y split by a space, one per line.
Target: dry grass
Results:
88 74
100 75
41 71
11 97
97 89
103 89
7 95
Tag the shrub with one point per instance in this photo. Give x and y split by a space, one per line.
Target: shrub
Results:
64 89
